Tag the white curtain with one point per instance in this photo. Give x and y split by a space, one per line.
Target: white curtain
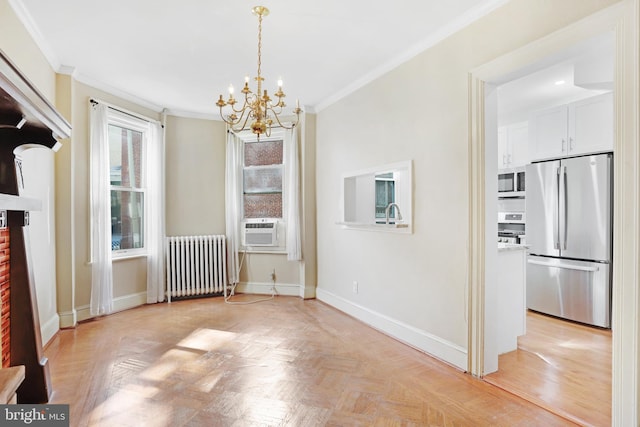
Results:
232 195
155 213
100 199
292 193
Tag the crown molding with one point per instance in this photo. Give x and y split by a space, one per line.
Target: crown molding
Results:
100 85
193 115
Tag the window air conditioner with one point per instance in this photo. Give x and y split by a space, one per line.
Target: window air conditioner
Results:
260 233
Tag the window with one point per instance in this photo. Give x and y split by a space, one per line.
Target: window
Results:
385 194
127 179
262 179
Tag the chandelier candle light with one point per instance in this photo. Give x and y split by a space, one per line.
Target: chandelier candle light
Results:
260 109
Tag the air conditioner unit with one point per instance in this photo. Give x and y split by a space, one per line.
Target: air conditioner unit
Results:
263 232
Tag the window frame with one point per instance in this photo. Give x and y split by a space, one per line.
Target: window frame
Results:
126 121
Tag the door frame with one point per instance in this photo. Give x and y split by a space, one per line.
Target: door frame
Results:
623 18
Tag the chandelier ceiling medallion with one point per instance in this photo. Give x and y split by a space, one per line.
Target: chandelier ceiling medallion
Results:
258 106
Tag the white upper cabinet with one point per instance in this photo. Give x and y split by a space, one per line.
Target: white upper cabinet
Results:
548 133
513 143
582 127
591 125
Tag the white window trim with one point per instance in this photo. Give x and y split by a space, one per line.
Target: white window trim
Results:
124 120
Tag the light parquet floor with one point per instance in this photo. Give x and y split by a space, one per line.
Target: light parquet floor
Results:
285 362
562 366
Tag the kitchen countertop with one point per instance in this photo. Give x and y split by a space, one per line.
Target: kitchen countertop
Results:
502 247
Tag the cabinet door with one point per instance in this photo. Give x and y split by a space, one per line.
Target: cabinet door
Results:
548 133
591 125
503 150
518 136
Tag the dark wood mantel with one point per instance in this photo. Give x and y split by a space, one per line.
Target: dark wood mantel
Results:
26 119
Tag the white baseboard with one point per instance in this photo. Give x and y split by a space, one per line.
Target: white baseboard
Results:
307 292
49 328
83 313
68 319
264 288
129 301
119 304
422 340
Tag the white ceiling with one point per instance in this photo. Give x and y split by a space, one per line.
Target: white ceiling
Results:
551 81
181 55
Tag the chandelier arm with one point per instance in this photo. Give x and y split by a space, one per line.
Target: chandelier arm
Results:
246 119
224 119
239 110
245 115
232 122
286 127
278 112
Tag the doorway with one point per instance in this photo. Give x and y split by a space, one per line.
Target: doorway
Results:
552 362
622 19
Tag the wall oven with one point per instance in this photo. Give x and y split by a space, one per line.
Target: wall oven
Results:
511 227
511 182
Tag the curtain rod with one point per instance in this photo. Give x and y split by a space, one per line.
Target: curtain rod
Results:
123 111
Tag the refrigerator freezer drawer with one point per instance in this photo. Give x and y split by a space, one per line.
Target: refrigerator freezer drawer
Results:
574 290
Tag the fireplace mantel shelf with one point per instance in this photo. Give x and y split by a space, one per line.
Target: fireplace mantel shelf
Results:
10 380
10 202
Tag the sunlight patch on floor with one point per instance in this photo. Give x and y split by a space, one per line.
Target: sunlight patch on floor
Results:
206 339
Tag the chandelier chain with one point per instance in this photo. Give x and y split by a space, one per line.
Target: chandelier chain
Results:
259 45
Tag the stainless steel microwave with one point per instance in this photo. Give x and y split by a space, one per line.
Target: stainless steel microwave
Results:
511 182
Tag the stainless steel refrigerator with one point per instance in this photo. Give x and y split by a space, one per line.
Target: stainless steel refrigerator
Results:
569 233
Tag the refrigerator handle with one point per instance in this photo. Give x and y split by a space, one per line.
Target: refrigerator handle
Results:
565 209
556 231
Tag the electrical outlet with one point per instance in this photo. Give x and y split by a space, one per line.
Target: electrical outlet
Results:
355 287
272 276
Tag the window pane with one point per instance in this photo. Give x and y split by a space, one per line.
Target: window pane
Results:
263 180
263 153
263 205
125 157
127 227
385 194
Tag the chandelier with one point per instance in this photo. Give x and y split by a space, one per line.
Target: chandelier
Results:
257 107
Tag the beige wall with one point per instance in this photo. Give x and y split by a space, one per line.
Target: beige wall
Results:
418 112
308 274
195 170
65 272
16 42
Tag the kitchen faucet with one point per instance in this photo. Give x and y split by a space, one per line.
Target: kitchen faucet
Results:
388 208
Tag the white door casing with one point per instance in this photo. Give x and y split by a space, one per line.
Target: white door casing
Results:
623 18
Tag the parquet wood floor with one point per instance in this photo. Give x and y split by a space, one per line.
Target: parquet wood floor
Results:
285 362
562 366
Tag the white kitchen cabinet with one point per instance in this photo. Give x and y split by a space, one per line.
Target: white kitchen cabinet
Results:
582 127
512 306
591 125
513 145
